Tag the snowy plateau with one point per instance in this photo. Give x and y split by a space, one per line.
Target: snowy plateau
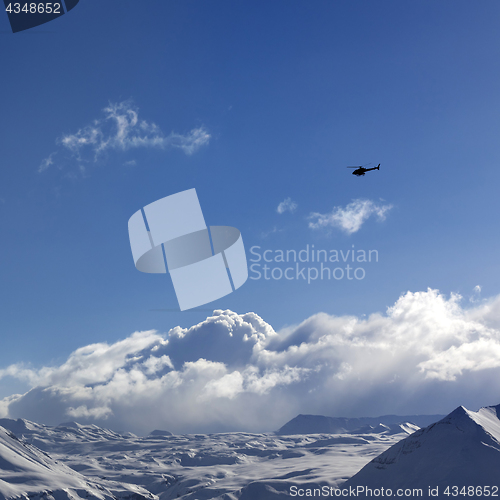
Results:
307 457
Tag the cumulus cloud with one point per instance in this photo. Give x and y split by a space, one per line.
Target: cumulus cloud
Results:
351 218
84 412
426 354
287 205
120 129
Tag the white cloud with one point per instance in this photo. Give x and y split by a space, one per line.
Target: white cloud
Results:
189 143
4 404
287 205
121 130
94 413
351 218
476 294
47 162
426 354
95 363
265 234
154 365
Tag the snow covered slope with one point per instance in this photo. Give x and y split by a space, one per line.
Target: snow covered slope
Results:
462 449
26 471
203 466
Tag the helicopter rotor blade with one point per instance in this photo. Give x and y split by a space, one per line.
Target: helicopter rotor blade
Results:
359 166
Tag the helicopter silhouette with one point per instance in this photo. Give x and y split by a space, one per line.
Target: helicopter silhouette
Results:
361 170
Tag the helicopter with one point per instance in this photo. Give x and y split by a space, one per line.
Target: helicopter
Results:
361 170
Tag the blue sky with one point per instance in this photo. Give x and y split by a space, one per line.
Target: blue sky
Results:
288 94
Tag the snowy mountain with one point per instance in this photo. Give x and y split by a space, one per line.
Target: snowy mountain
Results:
74 461
26 471
461 450
60 439
313 424
199 466
160 433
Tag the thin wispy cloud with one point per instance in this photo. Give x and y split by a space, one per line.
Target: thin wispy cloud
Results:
350 218
287 205
121 129
476 294
274 230
427 353
47 162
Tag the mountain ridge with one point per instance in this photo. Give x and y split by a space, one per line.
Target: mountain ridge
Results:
26 471
318 424
460 450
